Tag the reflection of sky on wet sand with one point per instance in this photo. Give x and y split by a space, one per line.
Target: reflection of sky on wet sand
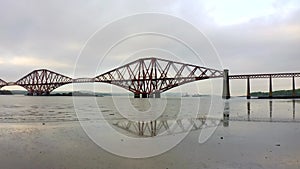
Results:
265 110
162 127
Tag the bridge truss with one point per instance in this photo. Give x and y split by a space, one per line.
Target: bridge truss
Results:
152 76
2 83
42 81
147 77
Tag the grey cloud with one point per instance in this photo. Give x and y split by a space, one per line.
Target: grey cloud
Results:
261 45
56 30
49 29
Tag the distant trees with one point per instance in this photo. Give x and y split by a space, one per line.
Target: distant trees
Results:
276 93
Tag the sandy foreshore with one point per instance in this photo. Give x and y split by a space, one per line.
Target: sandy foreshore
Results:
242 145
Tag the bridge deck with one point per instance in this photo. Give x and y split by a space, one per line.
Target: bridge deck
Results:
264 75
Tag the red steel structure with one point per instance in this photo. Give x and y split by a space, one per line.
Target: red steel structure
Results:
147 77
151 76
2 83
42 82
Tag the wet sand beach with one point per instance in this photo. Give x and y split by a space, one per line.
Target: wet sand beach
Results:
44 132
242 145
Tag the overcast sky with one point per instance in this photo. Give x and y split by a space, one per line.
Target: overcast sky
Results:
250 36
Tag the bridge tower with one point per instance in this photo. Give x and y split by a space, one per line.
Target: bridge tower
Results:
42 82
226 89
149 77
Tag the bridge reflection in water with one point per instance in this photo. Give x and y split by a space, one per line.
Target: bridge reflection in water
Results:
161 127
284 117
164 126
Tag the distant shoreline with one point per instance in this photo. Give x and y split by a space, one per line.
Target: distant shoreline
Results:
278 97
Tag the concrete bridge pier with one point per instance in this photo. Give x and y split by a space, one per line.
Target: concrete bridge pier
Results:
248 88
155 94
226 90
144 95
136 95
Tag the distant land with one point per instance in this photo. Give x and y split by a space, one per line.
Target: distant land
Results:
5 92
276 93
85 93
100 94
67 93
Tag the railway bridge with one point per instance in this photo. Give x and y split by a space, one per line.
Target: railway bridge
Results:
146 78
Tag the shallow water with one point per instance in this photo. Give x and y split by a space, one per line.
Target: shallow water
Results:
19 109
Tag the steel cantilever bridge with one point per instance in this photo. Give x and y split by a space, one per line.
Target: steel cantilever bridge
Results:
147 77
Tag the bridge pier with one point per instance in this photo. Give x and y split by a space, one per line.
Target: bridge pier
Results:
155 94
270 87
144 95
294 86
226 90
248 88
136 95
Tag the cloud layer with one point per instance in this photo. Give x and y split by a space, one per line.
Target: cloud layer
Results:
249 38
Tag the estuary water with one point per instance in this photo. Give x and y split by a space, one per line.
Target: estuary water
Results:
27 109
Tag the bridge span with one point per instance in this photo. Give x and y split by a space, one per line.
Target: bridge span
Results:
146 77
270 76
